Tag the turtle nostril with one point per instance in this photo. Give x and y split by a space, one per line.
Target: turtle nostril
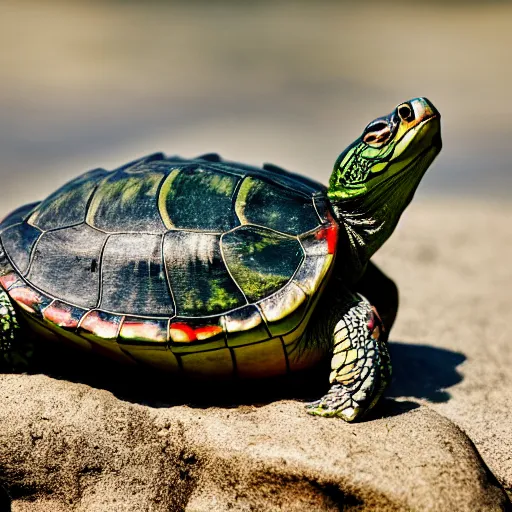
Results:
405 112
378 126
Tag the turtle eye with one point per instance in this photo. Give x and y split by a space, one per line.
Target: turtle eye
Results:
406 113
377 133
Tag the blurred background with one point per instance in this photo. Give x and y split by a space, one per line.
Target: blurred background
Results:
88 83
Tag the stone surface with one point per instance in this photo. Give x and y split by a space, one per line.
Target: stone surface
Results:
67 446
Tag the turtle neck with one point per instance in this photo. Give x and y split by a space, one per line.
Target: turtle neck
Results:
367 221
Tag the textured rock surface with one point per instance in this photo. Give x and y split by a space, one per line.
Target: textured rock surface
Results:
66 446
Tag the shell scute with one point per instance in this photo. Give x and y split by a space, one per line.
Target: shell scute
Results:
209 364
266 204
63 315
100 325
285 309
245 326
187 193
196 334
251 360
133 279
199 279
135 330
260 260
68 205
127 202
62 264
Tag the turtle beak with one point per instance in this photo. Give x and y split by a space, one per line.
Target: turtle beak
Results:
416 111
419 116
424 109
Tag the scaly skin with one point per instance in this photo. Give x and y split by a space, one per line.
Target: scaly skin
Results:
360 365
14 353
8 324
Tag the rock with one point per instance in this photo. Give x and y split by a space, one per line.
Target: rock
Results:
68 446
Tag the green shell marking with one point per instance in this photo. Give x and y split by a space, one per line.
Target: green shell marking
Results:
265 204
261 261
68 205
127 202
188 193
198 276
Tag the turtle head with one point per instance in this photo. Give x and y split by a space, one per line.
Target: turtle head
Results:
403 142
375 178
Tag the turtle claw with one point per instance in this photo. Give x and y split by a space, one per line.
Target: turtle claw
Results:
360 366
338 402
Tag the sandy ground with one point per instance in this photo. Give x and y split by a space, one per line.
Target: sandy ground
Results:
67 446
451 260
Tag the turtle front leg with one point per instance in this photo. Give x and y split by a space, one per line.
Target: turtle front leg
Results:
360 365
14 354
382 293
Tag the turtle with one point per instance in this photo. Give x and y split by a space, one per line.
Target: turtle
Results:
218 270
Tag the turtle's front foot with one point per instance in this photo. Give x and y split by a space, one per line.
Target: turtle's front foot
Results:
337 402
360 366
348 402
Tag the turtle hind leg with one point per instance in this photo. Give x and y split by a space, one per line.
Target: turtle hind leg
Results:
14 354
361 368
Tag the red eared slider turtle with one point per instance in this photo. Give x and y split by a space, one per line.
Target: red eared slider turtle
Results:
222 270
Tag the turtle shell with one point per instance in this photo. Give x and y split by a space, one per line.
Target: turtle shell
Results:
202 266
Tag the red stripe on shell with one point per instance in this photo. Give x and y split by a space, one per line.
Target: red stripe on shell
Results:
208 331
332 237
60 316
94 324
26 298
181 332
8 280
330 234
142 331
